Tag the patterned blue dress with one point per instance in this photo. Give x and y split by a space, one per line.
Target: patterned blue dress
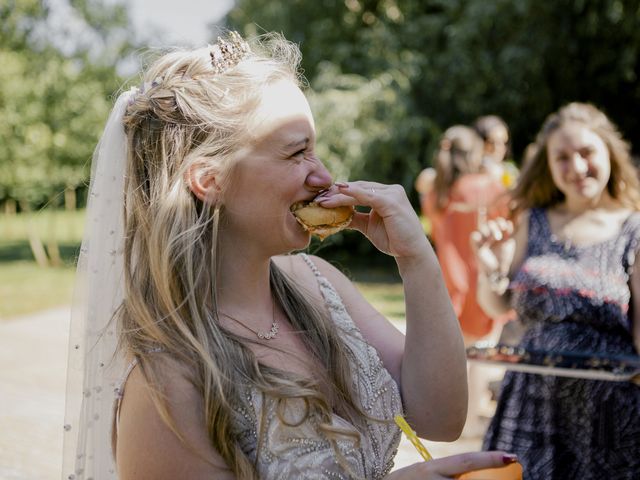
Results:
572 299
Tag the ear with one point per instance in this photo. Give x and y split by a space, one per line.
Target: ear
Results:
203 181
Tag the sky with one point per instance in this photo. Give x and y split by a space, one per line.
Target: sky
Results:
184 22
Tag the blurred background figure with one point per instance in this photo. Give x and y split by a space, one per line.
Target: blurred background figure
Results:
495 159
569 271
424 184
463 195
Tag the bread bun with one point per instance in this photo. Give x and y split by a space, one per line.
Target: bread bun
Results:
322 221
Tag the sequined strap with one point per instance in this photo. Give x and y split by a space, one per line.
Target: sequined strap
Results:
120 388
332 299
120 392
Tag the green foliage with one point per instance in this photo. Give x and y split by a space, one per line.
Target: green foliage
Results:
24 286
457 60
356 115
388 76
54 99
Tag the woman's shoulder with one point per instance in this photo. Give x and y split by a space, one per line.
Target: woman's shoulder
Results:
320 279
162 429
307 270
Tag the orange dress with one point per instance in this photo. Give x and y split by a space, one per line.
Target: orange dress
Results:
470 196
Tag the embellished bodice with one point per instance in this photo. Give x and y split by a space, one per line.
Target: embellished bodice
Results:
290 449
576 297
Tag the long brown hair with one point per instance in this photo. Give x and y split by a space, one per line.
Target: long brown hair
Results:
535 186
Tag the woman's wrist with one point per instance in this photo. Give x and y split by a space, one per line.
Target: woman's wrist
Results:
424 261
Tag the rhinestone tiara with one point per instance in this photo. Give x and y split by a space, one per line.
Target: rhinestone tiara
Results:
226 53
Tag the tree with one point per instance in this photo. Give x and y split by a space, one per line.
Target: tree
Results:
55 89
388 76
54 96
521 60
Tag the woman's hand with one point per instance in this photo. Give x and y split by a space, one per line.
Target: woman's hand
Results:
494 246
392 225
453 466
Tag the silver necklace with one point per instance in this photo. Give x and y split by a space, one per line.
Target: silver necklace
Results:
261 335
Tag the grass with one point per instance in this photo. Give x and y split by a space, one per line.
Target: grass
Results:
26 288
386 297
61 225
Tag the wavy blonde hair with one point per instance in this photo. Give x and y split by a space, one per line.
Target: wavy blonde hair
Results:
185 113
535 186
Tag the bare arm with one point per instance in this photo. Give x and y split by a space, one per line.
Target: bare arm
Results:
455 465
434 376
430 366
148 449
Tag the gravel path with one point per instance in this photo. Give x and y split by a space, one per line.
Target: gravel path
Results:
33 357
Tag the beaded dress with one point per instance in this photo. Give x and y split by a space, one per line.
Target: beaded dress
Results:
300 452
294 450
572 299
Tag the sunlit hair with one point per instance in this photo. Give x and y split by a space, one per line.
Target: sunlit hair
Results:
536 188
460 152
187 113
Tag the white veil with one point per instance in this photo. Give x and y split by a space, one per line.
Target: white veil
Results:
94 366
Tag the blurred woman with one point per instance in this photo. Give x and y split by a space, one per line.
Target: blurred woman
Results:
495 135
569 270
463 196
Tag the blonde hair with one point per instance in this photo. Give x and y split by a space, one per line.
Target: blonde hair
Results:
187 112
536 188
460 152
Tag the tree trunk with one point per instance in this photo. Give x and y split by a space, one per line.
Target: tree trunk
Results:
35 243
70 199
54 253
10 207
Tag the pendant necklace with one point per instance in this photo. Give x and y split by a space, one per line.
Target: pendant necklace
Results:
261 335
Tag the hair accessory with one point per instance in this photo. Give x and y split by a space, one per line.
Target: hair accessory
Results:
227 53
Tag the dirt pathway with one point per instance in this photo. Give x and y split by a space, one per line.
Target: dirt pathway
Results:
33 356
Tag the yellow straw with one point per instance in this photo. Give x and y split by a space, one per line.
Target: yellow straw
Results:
411 435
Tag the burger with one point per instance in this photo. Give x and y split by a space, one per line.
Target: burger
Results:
322 221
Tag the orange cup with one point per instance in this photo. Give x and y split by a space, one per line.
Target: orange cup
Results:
509 472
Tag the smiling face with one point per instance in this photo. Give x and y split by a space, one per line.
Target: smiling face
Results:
579 163
277 169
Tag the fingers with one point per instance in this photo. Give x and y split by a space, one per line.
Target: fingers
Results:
450 467
359 192
383 198
492 231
